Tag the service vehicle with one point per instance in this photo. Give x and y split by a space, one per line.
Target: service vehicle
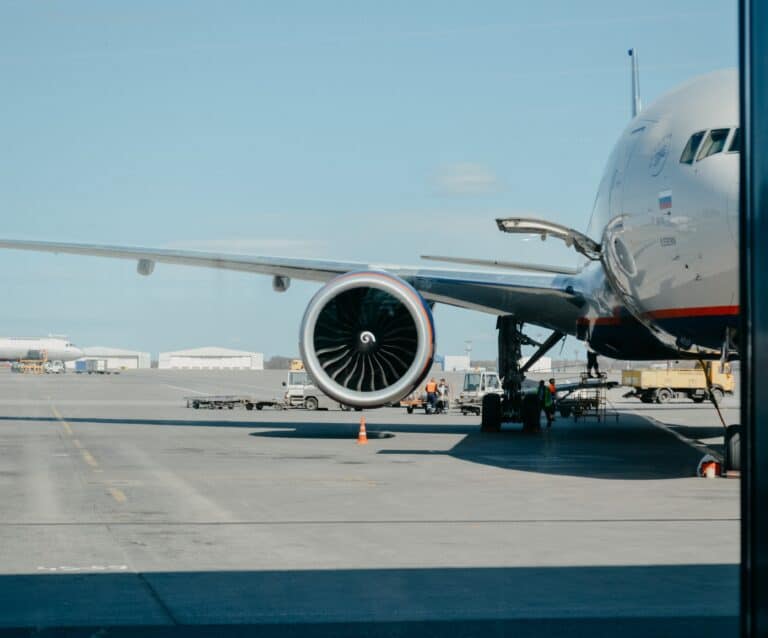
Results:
300 392
662 385
54 367
586 397
414 401
96 366
477 383
418 401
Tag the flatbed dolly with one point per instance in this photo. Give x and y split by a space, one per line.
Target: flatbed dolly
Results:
230 402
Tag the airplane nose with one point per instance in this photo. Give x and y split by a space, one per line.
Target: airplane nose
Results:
77 352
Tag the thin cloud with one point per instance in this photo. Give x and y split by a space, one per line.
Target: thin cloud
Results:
466 179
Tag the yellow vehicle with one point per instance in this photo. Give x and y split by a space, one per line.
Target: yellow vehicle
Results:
662 385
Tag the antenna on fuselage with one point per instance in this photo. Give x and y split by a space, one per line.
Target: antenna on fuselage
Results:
636 104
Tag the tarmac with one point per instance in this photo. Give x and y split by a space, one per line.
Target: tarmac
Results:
124 512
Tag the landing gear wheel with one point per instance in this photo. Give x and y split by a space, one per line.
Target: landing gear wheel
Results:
310 403
530 413
490 419
733 448
663 395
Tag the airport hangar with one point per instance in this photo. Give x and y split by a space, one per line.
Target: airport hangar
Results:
211 358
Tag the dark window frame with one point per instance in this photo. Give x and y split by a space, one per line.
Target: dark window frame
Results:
735 141
710 136
688 156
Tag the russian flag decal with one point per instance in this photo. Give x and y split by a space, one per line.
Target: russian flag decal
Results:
665 200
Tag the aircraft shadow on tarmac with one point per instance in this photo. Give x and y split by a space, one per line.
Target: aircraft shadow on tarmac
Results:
632 449
636 450
631 601
667 407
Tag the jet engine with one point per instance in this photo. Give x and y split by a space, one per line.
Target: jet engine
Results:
367 339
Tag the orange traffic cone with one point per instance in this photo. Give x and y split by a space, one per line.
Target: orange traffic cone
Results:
709 467
362 436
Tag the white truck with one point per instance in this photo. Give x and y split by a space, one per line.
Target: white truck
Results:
54 367
477 383
96 366
301 392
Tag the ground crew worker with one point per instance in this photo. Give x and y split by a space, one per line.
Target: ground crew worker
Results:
541 394
443 390
553 392
592 363
548 404
431 390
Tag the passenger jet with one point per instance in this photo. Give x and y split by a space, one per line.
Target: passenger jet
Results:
658 279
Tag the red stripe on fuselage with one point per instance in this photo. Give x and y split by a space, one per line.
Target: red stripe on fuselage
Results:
682 313
668 313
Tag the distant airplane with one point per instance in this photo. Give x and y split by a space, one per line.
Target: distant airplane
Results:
38 349
659 278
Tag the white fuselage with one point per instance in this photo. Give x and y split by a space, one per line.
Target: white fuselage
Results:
666 213
44 348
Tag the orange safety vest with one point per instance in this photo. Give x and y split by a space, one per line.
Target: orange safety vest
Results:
431 387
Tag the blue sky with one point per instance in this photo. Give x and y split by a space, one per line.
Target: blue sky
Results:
348 130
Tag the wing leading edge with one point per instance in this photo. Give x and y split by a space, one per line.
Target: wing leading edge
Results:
547 300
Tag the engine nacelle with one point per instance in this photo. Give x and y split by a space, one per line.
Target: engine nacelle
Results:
367 338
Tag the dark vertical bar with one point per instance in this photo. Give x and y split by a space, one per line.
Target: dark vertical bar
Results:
753 56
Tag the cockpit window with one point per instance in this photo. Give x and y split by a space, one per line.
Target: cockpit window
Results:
713 143
735 146
689 152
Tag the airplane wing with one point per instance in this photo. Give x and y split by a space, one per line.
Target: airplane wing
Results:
549 300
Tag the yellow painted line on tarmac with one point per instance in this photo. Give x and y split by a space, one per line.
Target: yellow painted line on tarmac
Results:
118 495
88 458
67 427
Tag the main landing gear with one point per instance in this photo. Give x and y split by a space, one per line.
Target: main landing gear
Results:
513 405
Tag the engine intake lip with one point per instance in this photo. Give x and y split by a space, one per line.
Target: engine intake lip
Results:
401 377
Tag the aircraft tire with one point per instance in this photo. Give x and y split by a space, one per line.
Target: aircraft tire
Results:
733 448
530 413
490 418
